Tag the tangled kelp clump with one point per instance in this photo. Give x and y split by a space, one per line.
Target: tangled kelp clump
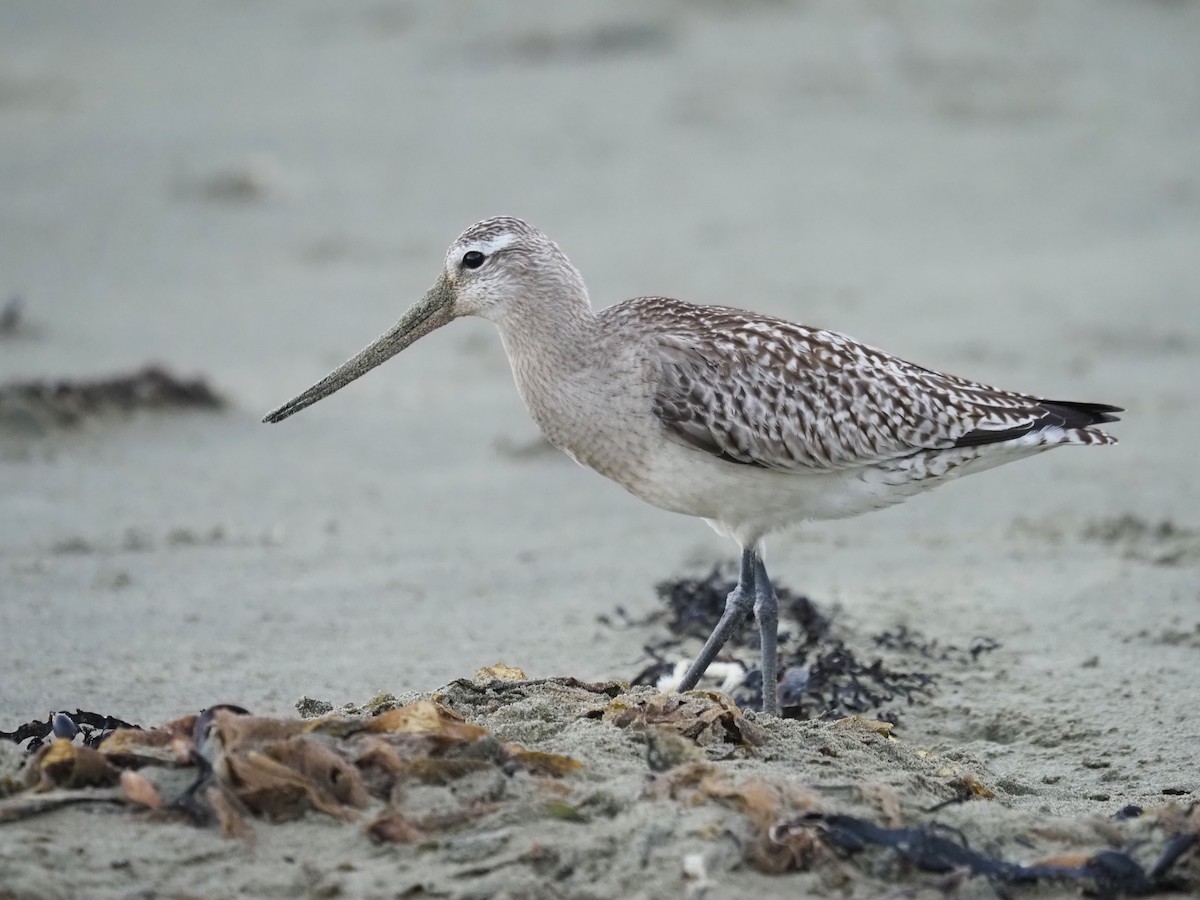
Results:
648 779
38 406
944 851
1161 543
822 676
276 769
92 727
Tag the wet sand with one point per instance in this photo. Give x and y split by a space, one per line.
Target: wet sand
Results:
251 193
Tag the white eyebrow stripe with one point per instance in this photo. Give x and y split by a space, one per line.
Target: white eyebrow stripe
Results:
495 244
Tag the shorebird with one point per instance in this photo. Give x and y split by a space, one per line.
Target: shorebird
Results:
751 422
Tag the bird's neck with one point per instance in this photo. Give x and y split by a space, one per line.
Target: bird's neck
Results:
555 336
550 343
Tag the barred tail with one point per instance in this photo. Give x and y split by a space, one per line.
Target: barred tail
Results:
1072 418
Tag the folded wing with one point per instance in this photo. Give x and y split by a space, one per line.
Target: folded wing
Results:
770 393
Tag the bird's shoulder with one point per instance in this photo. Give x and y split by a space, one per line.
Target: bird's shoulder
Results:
751 344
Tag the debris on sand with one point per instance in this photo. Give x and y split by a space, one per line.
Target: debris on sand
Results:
945 851
1162 543
93 728
12 317
38 407
276 769
604 776
822 675
253 180
704 718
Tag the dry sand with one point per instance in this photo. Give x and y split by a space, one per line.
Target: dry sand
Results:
252 191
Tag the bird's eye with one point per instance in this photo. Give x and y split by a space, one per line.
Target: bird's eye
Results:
473 259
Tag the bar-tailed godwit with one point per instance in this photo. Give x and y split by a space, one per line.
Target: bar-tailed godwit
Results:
751 422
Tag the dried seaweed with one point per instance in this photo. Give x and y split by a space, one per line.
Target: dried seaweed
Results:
23 806
822 675
39 405
939 849
12 315
138 791
64 764
368 768
275 769
705 718
761 803
906 640
93 726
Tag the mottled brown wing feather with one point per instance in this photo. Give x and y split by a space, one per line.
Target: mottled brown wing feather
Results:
771 393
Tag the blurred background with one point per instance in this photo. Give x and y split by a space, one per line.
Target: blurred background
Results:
248 192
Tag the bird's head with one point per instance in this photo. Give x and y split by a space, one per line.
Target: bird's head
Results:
497 262
492 265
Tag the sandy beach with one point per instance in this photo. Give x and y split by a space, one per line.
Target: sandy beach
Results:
248 193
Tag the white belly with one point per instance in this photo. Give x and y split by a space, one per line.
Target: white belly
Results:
749 502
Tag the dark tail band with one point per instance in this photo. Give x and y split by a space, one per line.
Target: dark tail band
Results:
1066 414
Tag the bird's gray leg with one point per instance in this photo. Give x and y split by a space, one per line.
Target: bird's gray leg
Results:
737 606
766 613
